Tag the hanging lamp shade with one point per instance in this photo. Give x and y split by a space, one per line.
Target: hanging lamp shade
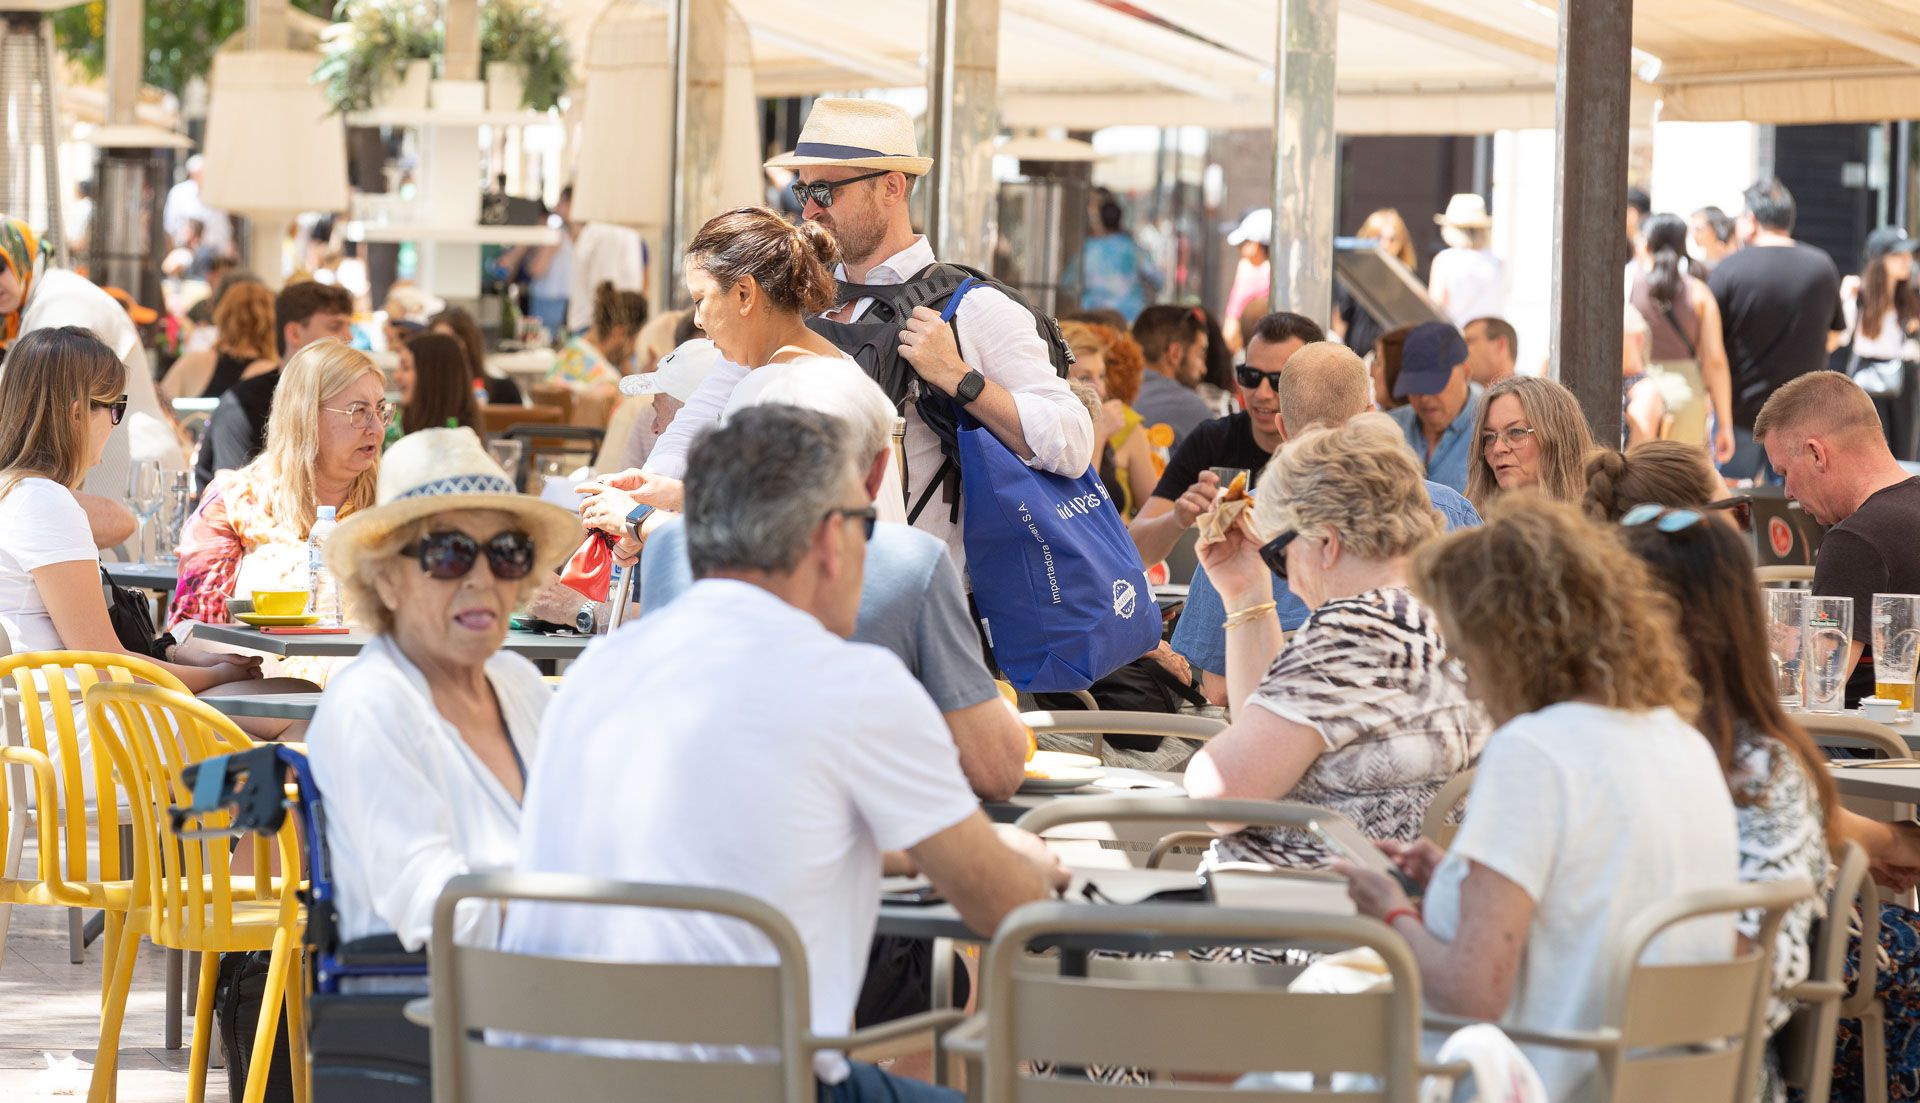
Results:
624 174
272 143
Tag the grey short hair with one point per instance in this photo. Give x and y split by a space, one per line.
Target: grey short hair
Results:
759 485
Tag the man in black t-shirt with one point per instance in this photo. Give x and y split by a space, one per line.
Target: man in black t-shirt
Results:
1244 439
1822 434
1780 314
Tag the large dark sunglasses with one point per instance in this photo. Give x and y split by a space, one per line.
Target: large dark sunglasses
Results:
450 555
116 409
1250 378
1740 508
867 517
821 191
1274 553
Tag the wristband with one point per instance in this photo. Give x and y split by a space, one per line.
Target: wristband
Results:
1249 613
1398 912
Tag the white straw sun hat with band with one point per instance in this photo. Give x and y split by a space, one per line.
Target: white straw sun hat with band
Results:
440 471
856 134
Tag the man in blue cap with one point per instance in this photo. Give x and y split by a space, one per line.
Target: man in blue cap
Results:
1441 399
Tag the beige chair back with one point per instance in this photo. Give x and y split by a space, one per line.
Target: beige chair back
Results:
1102 723
477 990
1784 575
1439 823
1805 1044
1835 731
1253 813
1191 1017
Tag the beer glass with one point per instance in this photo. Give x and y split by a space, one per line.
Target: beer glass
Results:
1786 629
1829 643
1896 647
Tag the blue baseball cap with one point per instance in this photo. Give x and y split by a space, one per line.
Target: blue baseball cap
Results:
1428 358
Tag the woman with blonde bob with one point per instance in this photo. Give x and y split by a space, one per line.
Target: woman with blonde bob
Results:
1596 796
422 744
324 434
1356 714
1529 433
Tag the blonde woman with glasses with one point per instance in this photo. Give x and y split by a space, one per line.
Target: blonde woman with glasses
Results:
1529 434
324 434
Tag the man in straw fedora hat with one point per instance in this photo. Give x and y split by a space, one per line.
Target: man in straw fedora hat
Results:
856 164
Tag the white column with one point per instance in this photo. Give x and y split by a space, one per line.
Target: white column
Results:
1303 158
963 52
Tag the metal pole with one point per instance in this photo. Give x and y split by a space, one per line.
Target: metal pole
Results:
1590 191
963 43
670 291
698 35
1303 156
266 24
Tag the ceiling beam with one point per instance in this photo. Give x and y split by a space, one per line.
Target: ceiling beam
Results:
887 71
1469 36
1091 42
1839 27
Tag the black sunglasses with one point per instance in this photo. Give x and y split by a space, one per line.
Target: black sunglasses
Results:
1741 509
821 191
450 555
1274 553
868 517
1250 378
116 409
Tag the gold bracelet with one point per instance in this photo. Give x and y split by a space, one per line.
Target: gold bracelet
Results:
1249 613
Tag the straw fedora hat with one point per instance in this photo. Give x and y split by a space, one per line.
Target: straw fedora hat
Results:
441 471
856 134
1465 211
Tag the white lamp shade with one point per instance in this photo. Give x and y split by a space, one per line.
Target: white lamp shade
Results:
272 143
626 131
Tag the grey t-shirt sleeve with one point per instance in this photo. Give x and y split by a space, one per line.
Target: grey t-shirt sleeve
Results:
950 665
665 572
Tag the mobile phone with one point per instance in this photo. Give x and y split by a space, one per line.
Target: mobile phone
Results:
1341 838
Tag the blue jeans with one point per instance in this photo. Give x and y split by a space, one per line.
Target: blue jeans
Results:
867 1084
1749 459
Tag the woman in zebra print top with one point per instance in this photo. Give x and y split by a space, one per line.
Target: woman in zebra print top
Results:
1360 712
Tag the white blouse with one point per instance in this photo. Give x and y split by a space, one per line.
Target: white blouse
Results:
408 804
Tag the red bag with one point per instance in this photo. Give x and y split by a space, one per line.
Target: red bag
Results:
590 572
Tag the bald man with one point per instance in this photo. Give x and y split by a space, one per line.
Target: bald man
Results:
1322 383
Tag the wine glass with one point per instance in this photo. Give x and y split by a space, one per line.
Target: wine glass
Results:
146 493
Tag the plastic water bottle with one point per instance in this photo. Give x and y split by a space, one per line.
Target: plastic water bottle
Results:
320 584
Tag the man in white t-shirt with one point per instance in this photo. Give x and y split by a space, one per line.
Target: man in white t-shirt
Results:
737 740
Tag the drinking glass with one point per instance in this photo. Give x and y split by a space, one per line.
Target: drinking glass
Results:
507 454
1896 648
1786 628
1829 642
146 493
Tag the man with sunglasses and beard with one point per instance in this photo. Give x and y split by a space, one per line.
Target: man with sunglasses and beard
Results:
1245 439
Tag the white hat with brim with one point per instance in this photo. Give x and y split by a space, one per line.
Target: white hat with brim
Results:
1256 227
436 471
857 134
1466 211
680 372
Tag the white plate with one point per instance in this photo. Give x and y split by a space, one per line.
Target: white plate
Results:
1061 781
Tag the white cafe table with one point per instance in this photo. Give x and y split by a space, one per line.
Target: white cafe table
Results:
533 645
276 706
144 576
1870 779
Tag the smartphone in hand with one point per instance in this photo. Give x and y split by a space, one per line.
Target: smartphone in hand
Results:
1341 838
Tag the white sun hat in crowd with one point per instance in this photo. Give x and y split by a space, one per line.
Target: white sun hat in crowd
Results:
857 134
1466 211
440 471
680 372
1256 227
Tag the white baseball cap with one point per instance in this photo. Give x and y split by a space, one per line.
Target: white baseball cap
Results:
1257 226
680 372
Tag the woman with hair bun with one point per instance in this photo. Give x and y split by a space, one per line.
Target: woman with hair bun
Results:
1661 472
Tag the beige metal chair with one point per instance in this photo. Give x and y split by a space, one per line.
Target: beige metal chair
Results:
1834 731
1784 575
477 991
1438 823
1680 1031
1228 1023
1100 724
1806 1043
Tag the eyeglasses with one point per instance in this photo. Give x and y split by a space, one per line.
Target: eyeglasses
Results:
1250 378
1740 507
450 555
1274 553
363 416
1513 436
821 191
866 516
116 409
1660 517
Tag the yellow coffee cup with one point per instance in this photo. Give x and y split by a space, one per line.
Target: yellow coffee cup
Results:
280 603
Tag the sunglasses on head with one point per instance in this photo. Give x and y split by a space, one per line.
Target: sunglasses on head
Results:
1250 378
1662 518
821 191
450 555
1740 508
116 409
1274 553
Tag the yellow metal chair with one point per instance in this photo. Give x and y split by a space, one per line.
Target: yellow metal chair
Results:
184 895
67 816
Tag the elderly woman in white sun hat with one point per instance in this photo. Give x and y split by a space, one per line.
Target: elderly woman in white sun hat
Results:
677 378
421 745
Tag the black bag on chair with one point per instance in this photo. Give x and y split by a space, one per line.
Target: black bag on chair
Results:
237 996
132 618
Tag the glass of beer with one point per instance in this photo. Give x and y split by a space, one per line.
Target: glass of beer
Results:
1786 627
1896 648
1829 644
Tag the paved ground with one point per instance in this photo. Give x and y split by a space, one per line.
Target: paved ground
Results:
51 1008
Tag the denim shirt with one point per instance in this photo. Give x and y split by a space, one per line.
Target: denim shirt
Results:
1448 462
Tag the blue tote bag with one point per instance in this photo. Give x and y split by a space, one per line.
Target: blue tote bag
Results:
1061 591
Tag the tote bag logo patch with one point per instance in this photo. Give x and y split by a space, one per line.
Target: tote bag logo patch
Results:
1125 598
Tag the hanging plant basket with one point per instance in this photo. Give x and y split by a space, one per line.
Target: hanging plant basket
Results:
526 35
368 57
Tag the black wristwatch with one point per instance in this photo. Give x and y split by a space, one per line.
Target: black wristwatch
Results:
634 518
971 384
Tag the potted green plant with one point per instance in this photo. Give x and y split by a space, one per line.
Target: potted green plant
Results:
525 50
380 54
